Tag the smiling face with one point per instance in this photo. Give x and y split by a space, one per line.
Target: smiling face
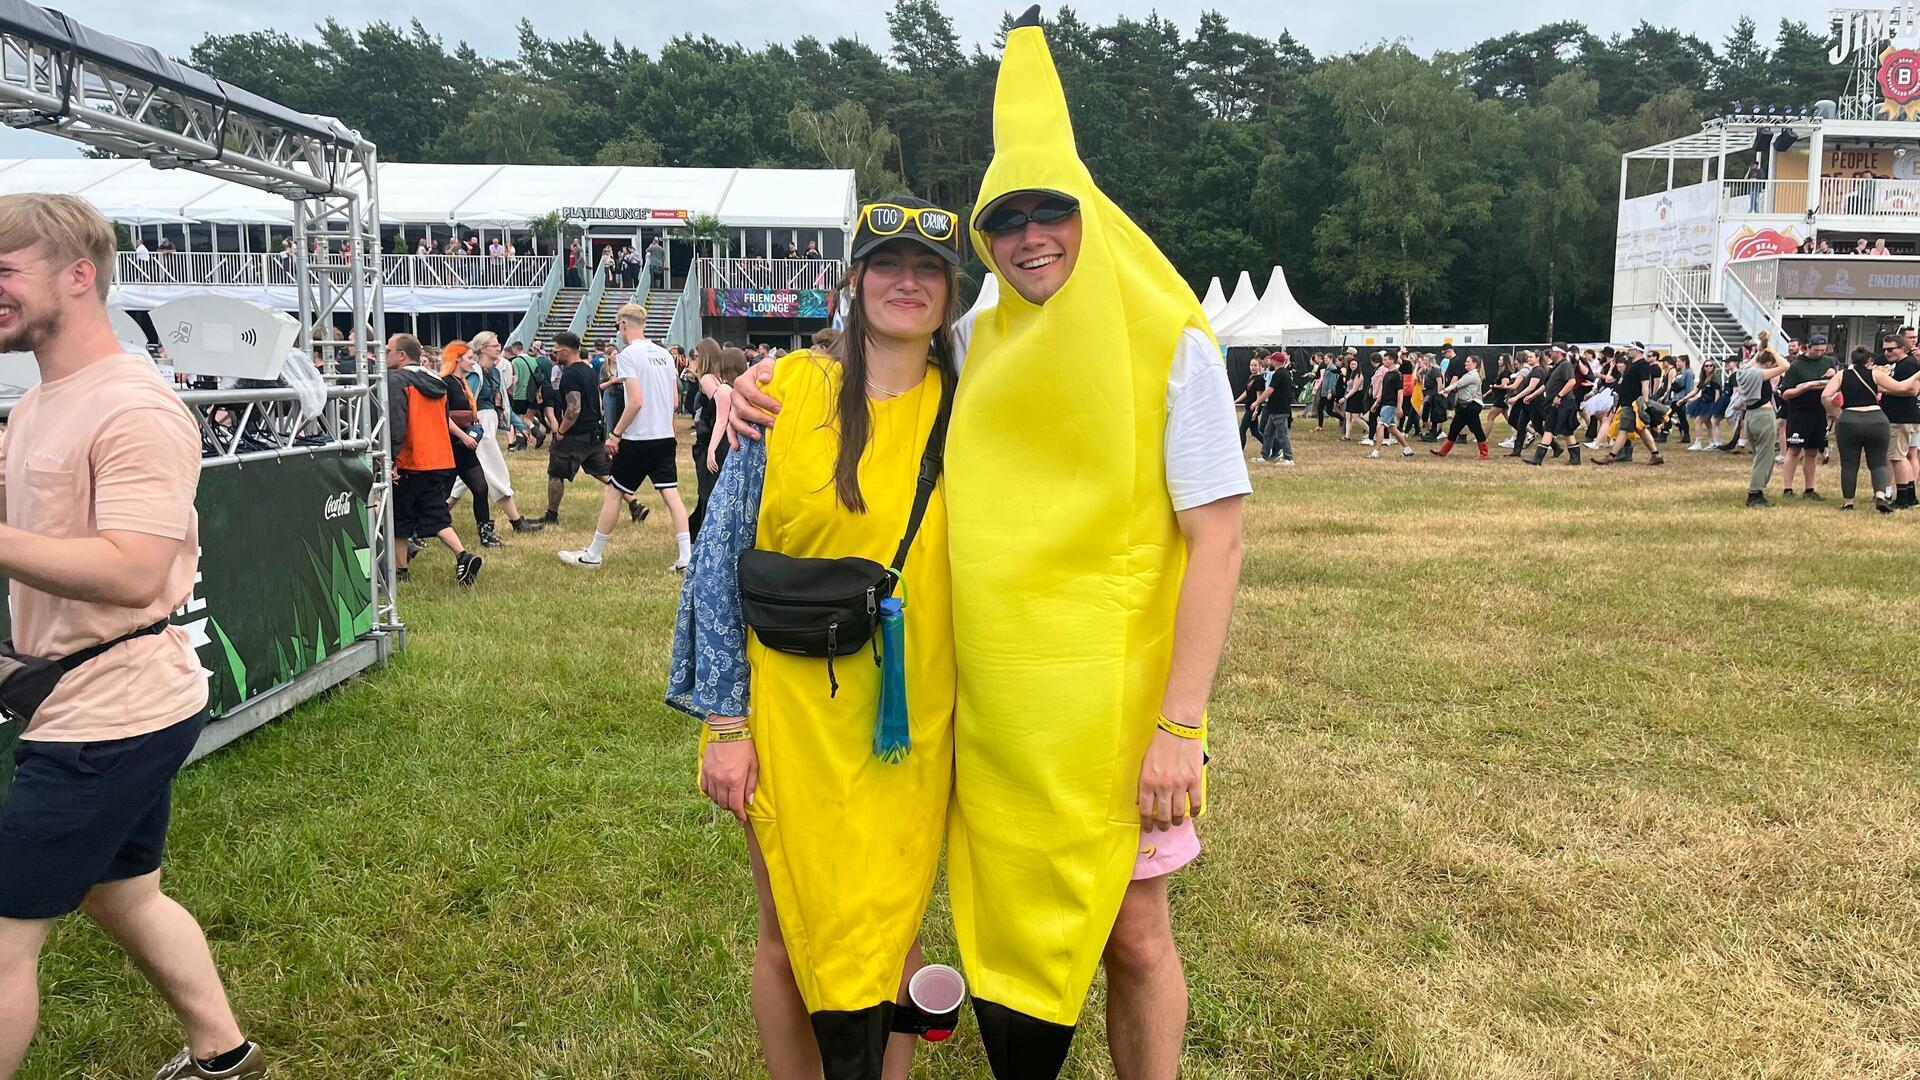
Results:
903 289
1037 259
30 300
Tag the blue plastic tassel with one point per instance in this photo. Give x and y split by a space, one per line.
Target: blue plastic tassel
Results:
891 740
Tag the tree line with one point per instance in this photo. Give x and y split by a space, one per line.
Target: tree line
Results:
1476 186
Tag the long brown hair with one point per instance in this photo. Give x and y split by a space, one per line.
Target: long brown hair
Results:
851 412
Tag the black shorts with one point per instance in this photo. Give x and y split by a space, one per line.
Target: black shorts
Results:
1807 430
568 455
649 460
81 814
420 503
1564 419
522 406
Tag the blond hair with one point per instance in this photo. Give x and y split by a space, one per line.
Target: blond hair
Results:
479 342
66 227
632 313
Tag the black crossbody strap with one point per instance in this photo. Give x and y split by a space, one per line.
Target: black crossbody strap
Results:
930 463
68 663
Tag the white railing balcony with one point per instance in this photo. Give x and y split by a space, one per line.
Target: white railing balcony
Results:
1759 198
1869 196
758 273
403 271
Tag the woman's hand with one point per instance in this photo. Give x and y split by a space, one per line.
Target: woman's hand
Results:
729 774
752 407
1170 789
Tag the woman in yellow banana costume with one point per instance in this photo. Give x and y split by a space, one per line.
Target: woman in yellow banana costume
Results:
1086 642
845 846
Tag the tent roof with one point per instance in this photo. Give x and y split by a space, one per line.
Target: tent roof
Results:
1276 314
1215 300
1244 300
478 195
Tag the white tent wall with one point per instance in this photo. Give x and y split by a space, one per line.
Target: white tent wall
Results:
476 196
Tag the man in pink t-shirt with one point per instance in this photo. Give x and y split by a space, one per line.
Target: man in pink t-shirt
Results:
99 466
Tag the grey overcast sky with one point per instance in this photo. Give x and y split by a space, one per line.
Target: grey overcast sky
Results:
1324 27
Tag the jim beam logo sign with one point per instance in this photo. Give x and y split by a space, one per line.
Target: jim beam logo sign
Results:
1892 33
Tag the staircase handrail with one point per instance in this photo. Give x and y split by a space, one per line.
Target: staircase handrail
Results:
685 329
1682 304
540 303
590 304
1748 310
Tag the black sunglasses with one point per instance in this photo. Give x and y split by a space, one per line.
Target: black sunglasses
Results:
1006 219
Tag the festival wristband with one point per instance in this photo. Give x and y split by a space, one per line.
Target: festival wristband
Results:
739 734
1182 731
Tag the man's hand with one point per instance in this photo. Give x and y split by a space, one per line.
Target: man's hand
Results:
613 445
729 774
1170 781
752 407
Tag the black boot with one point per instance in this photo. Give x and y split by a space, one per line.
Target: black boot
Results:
1573 454
853 1044
1018 1046
489 537
1539 455
526 525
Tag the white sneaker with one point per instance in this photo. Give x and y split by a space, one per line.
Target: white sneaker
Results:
1406 451
1779 459
678 567
1366 442
1508 445
1391 441
580 558
1695 446
1375 454
1286 461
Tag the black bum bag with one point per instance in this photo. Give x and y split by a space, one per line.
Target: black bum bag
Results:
27 681
825 608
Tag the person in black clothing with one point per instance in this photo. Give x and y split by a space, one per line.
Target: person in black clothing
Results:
1276 410
457 361
1632 406
1560 411
1903 418
1433 403
579 427
1529 383
1863 428
714 370
1250 397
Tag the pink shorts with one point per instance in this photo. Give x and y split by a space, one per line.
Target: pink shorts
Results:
1164 851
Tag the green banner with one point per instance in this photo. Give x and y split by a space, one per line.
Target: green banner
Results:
284 572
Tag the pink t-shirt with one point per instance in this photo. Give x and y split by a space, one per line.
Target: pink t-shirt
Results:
107 448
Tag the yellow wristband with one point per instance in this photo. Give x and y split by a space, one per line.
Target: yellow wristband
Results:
739 734
1181 730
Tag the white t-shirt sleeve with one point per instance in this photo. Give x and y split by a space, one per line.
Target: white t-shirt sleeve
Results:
1205 462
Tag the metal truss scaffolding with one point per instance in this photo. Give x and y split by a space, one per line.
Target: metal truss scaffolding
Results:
132 101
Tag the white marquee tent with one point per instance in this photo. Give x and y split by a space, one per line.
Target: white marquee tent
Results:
490 196
1215 300
1270 321
1244 300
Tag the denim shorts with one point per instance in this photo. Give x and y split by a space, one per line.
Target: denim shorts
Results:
81 814
1386 415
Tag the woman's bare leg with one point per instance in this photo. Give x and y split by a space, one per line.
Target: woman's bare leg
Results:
786 1034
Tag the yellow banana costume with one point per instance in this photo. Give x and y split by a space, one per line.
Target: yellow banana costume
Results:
1066 569
852 844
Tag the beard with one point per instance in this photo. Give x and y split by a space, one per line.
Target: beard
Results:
37 329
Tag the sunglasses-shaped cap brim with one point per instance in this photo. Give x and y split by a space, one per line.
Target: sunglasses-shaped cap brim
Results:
866 243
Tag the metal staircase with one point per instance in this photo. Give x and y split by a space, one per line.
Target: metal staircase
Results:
1709 330
604 326
560 315
660 305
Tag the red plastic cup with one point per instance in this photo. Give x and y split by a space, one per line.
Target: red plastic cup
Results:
937 990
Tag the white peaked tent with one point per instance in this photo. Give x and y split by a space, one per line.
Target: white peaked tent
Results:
1216 299
1244 300
1275 316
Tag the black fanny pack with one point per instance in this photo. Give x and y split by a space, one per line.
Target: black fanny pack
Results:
830 607
27 681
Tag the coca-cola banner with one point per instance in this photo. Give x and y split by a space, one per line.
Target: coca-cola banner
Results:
284 578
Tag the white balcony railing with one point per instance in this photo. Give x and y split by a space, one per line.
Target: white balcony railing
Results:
1743 198
1869 197
756 273
405 271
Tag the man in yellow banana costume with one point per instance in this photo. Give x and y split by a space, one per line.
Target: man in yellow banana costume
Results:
1094 481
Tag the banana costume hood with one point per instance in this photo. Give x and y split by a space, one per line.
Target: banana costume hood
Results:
1066 569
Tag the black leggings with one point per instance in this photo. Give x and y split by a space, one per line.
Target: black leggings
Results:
476 480
1466 417
1857 431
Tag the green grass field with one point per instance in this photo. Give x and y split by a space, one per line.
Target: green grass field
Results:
1518 773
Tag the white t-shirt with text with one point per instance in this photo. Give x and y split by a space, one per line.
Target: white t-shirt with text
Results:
659 383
